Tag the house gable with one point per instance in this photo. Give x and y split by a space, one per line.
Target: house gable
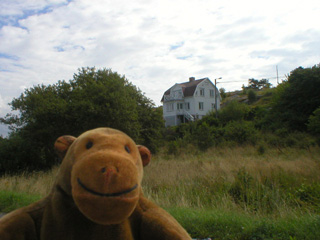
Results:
188 88
208 86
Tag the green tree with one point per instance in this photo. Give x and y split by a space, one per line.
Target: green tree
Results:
222 93
93 98
295 100
253 83
258 84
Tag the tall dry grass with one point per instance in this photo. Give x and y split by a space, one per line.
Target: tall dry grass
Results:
224 193
220 178
39 183
233 179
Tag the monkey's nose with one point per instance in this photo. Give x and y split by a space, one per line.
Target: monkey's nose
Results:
108 173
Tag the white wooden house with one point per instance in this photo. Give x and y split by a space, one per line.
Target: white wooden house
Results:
189 101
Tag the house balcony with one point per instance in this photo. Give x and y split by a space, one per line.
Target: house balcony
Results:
168 98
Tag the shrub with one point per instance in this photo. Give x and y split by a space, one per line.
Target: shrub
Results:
252 96
241 132
210 119
233 111
284 138
300 139
174 147
261 149
314 122
204 136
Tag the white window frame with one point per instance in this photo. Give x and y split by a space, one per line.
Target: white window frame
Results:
170 107
187 106
202 92
211 92
201 106
179 106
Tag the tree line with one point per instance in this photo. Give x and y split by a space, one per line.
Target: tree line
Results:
93 98
103 98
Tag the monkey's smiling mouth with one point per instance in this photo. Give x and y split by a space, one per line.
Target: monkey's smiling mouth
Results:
117 194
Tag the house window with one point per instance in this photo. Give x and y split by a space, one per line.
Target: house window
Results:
211 93
179 106
187 106
200 105
201 91
169 107
213 106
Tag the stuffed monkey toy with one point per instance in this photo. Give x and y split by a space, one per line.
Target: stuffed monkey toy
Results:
97 195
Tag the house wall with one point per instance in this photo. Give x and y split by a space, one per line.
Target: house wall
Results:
176 96
191 102
170 116
170 112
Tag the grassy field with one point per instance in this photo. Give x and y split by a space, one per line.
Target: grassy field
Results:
224 193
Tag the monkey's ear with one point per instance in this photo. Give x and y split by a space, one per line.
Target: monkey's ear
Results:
145 155
62 145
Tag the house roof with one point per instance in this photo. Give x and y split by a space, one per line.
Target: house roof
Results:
188 88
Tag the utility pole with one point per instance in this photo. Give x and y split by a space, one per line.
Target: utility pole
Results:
277 74
215 96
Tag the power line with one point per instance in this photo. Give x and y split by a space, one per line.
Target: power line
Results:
235 81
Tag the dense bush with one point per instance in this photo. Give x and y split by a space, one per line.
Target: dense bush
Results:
314 122
18 155
284 138
233 111
205 136
241 132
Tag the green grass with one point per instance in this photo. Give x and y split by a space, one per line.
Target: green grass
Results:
217 224
12 200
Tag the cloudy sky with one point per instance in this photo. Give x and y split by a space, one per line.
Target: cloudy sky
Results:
154 43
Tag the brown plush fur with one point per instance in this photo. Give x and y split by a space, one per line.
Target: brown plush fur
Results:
97 195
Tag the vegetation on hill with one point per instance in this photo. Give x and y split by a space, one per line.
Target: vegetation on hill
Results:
285 116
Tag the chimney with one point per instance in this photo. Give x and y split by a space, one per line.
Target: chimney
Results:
191 79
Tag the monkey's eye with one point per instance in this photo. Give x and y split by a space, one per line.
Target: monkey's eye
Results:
89 145
126 147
